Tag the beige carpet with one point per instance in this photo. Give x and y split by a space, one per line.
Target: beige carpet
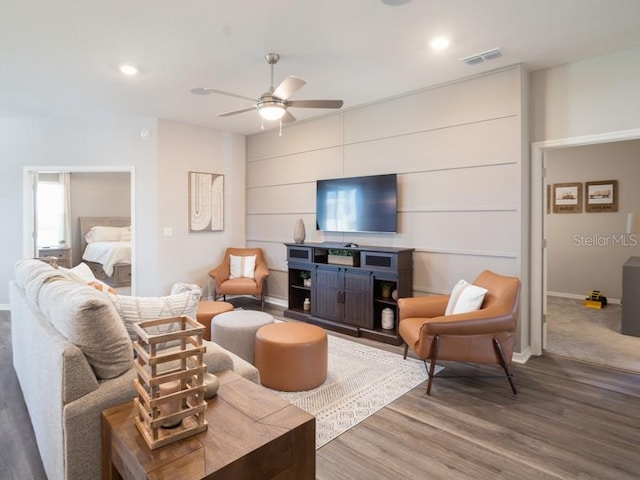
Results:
360 381
591 335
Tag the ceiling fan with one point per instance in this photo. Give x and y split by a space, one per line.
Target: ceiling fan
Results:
273 104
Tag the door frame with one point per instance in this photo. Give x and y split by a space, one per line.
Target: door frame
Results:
538 254
28 207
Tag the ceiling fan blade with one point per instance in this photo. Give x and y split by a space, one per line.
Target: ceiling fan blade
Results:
315 103
235 112
208 91
288 117
288 87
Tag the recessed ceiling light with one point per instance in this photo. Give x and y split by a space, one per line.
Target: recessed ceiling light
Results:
439 43
128 70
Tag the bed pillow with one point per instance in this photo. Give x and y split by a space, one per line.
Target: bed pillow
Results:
125 236
106 234
465 298
137 309
242 266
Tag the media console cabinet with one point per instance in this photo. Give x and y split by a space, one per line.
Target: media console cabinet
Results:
347 290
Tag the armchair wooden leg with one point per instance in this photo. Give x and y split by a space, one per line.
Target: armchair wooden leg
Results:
435 344
503 364
406 349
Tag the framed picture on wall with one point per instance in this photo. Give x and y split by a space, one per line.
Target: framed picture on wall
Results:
206 202
601 196
567 198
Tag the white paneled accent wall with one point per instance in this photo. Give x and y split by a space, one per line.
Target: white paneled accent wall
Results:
457 150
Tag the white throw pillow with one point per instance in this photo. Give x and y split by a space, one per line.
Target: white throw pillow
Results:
242 266
101 233
136 309
465 298
82 272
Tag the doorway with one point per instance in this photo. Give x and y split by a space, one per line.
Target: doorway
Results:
538 240
94 191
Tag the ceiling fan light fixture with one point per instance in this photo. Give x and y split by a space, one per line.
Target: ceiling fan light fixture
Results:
272 113
271 108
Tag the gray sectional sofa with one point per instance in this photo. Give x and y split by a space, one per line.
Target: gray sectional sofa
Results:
73 359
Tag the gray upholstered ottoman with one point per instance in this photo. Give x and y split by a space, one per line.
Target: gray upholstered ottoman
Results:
236 331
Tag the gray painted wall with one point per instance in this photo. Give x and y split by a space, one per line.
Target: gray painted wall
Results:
588 242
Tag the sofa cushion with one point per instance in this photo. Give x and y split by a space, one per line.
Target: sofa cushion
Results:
88 319
136 309
31 274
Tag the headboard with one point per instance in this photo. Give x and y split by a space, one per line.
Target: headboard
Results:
87 222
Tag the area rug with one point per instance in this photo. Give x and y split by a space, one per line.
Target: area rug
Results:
360 381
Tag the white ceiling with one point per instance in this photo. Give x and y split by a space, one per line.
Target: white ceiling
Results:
62 56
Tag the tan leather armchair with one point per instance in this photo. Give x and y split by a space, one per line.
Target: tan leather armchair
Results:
483 336
224 285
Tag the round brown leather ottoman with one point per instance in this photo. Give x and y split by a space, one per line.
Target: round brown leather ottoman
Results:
291 357
207 310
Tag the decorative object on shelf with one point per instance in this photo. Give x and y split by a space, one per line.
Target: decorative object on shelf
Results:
601 196
306 306
206 202
394 294
339 256
567 198
306 278
173 396
387 319
386 289
299 233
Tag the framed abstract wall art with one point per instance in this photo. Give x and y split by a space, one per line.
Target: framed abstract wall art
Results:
206 202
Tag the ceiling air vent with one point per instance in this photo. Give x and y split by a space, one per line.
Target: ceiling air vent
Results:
482 57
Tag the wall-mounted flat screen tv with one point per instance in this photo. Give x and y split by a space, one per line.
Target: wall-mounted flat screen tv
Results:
357 204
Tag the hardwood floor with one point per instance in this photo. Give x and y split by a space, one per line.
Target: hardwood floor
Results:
570 420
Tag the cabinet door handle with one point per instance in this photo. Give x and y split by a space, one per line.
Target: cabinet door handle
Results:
338 297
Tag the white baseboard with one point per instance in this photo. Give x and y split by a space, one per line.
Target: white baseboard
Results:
522 357
615 301
277 301
5 306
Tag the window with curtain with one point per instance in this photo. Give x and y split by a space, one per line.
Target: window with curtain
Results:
52 210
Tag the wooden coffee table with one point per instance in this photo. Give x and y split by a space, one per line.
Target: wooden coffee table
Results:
252 434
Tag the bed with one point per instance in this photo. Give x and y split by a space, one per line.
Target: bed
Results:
110 261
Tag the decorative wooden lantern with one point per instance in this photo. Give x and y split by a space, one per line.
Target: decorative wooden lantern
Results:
170 383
